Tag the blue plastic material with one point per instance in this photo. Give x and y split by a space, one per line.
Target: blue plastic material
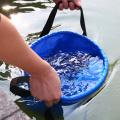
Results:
92 77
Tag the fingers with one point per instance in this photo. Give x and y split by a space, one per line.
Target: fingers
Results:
55 101
74 4
65 4
50 104
71 6
61 6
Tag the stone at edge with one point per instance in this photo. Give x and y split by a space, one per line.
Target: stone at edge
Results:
9 110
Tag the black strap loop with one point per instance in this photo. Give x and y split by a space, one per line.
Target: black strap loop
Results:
15 89
51 18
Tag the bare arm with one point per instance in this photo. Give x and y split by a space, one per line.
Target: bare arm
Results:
44 82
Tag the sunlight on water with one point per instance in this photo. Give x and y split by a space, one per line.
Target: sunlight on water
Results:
7 7
78 72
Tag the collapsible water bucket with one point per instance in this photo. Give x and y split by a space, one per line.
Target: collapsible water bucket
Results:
81 64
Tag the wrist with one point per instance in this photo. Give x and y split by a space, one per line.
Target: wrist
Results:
41 70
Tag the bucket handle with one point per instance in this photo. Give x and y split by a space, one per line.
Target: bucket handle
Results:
51 17
15 89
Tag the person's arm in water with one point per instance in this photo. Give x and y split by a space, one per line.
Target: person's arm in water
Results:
44 82
74 4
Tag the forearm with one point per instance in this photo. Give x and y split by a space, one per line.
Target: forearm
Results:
44 82
15 51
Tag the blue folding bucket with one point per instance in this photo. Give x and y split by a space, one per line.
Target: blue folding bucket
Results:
92 71
81 64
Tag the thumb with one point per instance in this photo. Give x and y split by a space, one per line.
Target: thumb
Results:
77 2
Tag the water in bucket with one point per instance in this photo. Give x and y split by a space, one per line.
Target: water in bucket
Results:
78 71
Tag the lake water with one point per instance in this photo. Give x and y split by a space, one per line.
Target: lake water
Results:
102 24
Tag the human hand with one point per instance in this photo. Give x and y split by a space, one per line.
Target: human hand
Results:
74 4
46 86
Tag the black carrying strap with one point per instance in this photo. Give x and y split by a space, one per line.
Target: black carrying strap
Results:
15 89
51 18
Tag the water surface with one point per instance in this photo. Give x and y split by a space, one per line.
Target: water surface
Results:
102 23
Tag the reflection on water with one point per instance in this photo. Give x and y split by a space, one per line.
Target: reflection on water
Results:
102 22
3 70
38 110
9 7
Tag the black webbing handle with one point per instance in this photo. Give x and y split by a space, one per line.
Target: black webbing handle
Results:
51 18
15 89
82 22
